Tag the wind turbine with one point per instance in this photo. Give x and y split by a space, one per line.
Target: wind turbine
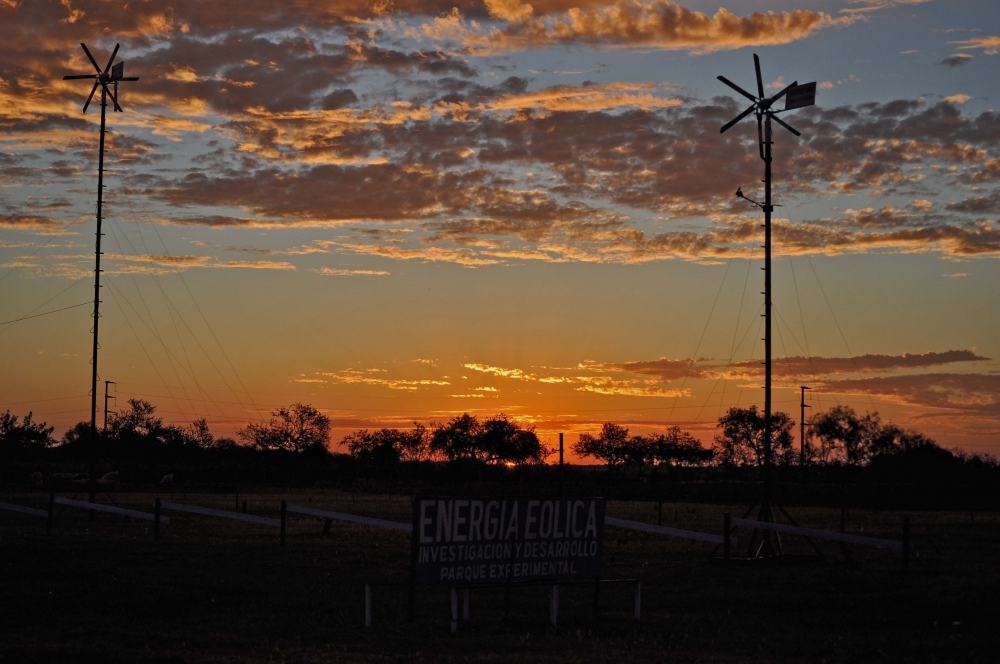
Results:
111 76
796 96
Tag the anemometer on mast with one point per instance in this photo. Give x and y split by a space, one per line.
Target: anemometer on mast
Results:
796 96
107 79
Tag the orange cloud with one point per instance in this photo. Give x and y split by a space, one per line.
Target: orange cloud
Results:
625 23
989 45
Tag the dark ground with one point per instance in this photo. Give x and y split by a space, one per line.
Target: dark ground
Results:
215 590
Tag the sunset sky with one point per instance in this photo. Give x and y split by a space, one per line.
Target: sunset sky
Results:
402 210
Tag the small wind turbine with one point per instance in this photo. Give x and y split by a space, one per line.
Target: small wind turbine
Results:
796 96
111 76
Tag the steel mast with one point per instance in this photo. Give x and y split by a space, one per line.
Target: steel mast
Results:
110 75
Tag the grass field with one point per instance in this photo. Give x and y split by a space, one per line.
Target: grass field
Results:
215 590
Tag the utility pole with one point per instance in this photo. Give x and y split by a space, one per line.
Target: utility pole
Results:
104 77
106 383
802 427
796 96
560 465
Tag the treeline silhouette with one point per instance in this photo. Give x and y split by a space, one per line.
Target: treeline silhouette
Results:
880 462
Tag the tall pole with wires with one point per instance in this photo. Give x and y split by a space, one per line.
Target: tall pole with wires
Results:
796 96
106 397
111 75
802 426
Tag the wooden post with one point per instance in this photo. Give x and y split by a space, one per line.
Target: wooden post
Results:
454 609
284 508
554 605
368 605
638 600
326 526
52 513
244 507
156 519
465 604
906 543
725 536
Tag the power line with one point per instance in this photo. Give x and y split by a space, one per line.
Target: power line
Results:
10 324
54 311
126 180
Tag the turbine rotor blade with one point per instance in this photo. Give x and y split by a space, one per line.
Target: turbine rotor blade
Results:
736 119
91 58
92 91
113 54
129 78
77 77
785 125
737 88
114 99
760 82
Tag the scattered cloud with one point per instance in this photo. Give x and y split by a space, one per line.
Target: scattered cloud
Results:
336 272
988 45
957 99
956 60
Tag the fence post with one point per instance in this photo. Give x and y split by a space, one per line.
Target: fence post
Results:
554 605
156 519
326 526
906 543
284 507
725 536
465 604
52 514
638 599
454 609
244 507
368 605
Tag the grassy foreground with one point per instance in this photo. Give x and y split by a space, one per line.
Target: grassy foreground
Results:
215 590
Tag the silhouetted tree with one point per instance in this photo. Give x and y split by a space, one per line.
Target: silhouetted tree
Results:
611 445
23 439
457 439
387 447
503 440
741 441
675 448
500 439
298 428
846 437
197 434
